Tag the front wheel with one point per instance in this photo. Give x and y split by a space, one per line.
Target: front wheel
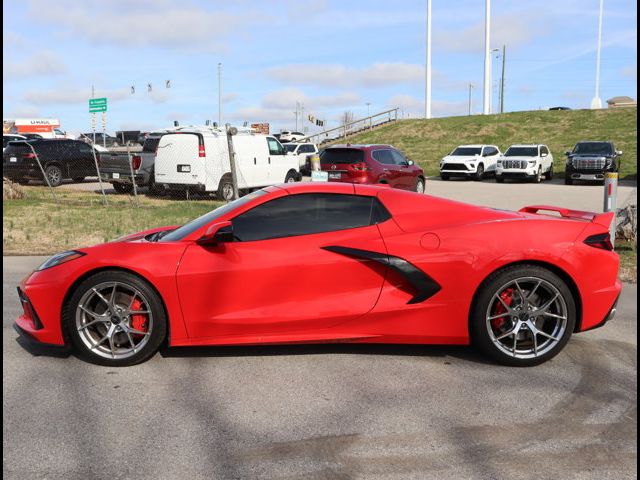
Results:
549 174
115 318
568 181
523 315
419 188
538 176
479 173
499 179
444 177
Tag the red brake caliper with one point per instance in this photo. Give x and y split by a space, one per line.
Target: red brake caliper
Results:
507 298
138 322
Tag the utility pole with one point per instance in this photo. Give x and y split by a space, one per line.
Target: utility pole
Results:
427 99
504 50
596 102
296 114
93 93
470 101
302 117
220 94
487 59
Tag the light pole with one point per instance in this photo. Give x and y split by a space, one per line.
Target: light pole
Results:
427 93
596 102
504 56
487 59
470 90
490 77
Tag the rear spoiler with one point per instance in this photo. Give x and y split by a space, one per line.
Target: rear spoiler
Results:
603 219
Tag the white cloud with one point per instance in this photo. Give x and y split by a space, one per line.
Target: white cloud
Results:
169 25
512 30
71 96
335 75
24 111
412 107
286 99
41 63
631 72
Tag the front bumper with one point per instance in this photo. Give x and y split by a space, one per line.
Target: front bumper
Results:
513 173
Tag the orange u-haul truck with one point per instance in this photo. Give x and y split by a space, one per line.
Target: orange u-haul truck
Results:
45 127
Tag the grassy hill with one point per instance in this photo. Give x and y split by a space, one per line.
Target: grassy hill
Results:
427 141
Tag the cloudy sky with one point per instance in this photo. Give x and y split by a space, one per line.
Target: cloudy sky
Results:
331 56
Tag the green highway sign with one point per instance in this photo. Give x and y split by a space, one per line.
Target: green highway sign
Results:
97 105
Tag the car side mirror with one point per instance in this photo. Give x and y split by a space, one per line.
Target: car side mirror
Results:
567 153
221 232
410 162
543 155
618 152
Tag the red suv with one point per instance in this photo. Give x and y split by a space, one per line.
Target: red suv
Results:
371 164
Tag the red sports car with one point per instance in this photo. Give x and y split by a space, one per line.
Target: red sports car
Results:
325 262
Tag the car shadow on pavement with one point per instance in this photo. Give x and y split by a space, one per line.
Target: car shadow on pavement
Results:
461 352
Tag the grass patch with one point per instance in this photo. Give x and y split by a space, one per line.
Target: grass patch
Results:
628 261
427 141
37 225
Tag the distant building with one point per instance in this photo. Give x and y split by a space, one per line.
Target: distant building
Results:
619 102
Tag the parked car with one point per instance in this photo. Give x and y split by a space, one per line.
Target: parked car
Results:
10 137
196 159
288 136
372 164
302 151
530 162
475 161
590 160
559 108
360 264
116 167
101 139
60 159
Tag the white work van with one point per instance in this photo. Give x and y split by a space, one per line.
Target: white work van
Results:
197 159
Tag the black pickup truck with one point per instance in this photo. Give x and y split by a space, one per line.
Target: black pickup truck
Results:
590 161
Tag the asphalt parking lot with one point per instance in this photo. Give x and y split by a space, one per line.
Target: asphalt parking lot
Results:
322 412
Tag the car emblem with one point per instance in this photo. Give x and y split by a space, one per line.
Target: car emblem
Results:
333 167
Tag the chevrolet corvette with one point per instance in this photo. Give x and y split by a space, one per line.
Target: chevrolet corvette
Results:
323 262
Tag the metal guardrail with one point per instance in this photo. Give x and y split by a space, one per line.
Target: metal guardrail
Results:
357 126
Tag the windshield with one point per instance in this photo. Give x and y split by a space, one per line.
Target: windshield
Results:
470 151
193 225
342 155
601 148
521 152
289 147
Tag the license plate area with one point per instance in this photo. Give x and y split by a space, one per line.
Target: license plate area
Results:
184 168
335 175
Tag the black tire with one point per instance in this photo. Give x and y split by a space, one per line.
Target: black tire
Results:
538 176
568 181
225 188
492 286
54 175
499 179
292 176
420 185
78 179
153 303
444 177
122 188
479 173
549 174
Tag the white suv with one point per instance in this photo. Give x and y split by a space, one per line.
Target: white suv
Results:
302 151
287 136
525 161
470 161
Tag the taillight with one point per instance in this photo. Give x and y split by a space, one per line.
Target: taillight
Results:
602 240
29 155
201 152
360 167
136 160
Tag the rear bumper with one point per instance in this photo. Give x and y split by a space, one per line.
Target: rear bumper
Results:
609 316
119 177
20 172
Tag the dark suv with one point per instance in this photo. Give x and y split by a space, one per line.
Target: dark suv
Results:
590 161
60 159
371 164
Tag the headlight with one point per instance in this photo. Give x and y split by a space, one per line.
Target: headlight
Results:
60 258
500 162
532 162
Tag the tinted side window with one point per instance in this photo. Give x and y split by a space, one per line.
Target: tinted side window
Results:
398 159
306 214
544 150
383 156
84 148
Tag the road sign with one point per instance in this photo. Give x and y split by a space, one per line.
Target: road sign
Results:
97 105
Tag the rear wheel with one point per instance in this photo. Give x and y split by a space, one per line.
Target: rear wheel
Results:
291 177
225 189
54 175
523 315
115 318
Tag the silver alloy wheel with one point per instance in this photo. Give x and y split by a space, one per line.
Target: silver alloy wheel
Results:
54 175
227 191
290 179
420 186
526 317
105 320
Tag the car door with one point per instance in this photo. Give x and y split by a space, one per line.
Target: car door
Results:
278 163
86 165
490 156
390 171
278 277
406 178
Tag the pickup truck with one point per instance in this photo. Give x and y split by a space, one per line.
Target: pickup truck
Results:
116 167
590 160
